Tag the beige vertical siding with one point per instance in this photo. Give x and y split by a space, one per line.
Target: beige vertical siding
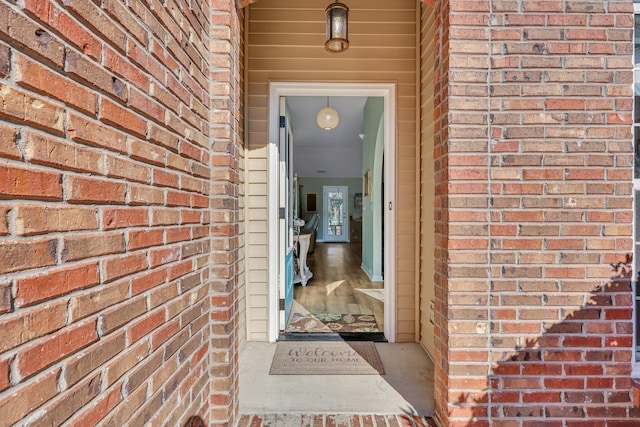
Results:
286 43
427 185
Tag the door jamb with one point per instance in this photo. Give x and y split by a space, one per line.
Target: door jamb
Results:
388 92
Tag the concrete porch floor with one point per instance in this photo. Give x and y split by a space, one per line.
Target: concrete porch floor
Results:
405 388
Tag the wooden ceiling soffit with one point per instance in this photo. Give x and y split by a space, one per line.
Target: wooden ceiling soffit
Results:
244 3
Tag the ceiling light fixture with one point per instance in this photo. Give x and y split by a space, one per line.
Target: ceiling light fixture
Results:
337 27
328 118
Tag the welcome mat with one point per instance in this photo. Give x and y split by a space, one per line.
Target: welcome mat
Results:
332 322
326 358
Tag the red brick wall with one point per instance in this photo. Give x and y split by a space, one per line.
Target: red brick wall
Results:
106 211
226 205
441 219
535 215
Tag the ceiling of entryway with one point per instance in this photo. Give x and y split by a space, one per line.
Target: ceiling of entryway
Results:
321 153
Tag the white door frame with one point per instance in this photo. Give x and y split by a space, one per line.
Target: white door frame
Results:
388 92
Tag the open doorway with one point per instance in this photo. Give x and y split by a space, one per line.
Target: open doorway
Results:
337 199
334 290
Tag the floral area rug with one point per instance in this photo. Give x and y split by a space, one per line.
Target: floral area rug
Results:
331 322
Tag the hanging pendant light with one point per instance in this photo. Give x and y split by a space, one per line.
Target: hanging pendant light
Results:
328 118
337 27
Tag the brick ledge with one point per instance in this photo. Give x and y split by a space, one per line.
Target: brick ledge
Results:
332 420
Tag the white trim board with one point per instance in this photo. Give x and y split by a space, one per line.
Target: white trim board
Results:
388 92
369 274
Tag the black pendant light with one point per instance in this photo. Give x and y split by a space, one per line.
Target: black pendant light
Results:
337 27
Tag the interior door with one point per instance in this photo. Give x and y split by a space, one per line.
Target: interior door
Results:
285 215
335 213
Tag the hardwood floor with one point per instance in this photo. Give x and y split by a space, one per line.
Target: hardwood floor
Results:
339 285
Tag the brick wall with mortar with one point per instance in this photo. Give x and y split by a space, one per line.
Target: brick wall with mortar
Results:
441 220
535 214
227 120
110 130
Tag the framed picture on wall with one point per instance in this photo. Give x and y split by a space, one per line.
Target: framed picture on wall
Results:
366 183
